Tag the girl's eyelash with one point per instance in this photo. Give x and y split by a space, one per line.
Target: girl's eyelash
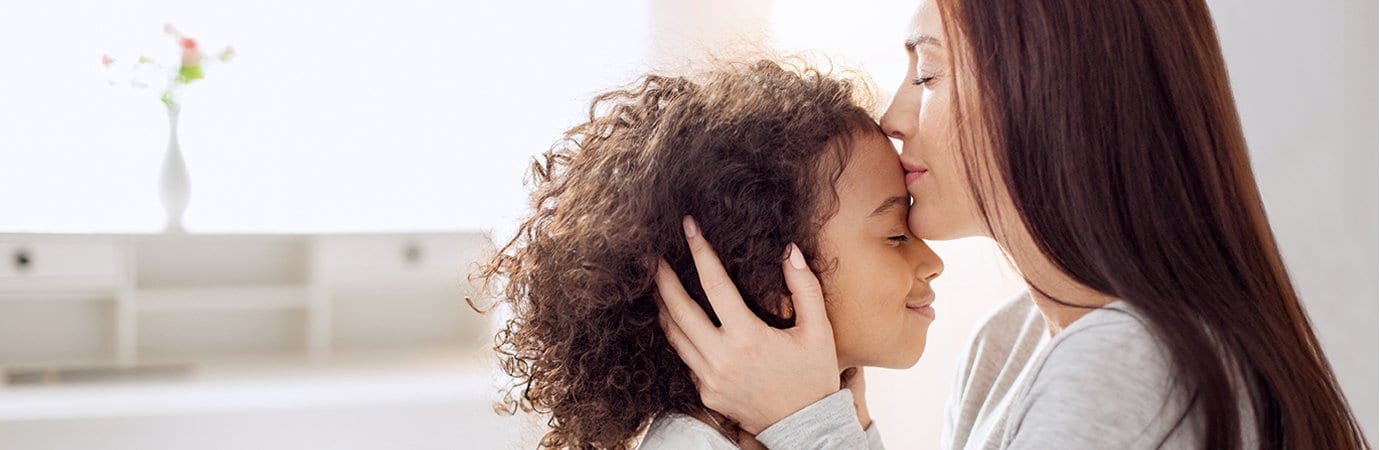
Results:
899 238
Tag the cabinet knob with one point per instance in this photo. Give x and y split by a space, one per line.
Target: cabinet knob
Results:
23 259
412 253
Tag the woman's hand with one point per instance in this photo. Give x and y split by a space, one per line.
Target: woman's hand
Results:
747 370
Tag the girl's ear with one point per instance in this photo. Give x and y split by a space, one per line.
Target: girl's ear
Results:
786 307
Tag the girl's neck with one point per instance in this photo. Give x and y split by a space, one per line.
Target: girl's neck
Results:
729 429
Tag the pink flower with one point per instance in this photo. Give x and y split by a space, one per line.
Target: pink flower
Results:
190 55
106 61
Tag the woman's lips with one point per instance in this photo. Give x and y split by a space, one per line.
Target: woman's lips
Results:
913 172
912 176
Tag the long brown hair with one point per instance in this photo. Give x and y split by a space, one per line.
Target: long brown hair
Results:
752 150
1113 128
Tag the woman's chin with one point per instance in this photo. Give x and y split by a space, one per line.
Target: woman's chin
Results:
928 227
931 228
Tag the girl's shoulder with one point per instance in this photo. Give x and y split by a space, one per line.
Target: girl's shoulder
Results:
679 431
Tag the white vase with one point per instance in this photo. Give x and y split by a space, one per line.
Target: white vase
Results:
173 184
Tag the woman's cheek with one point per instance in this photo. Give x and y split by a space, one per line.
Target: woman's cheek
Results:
915 221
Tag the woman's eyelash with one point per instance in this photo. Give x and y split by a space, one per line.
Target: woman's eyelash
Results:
923 80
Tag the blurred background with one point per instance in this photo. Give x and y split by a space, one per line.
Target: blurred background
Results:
352 159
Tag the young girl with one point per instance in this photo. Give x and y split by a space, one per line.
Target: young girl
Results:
789 166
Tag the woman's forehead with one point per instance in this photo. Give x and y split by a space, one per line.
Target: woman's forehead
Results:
925 21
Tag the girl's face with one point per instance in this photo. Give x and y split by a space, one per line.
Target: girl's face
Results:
878 290
921 116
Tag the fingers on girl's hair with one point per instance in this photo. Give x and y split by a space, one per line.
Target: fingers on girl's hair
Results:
684 347
723 295
680 309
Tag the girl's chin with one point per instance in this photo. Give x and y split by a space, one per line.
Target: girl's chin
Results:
902 360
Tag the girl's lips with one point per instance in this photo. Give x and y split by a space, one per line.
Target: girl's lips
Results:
927 311
923 304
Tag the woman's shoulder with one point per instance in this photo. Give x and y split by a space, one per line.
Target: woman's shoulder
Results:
1114 339
1107 371
1107 337
679 431
1003 343
1013 326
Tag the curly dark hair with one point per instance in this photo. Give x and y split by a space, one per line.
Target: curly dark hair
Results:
744 149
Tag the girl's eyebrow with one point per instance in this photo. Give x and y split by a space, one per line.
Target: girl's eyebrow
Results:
888 204
922 39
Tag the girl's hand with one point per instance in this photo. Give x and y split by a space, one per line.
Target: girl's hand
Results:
747 370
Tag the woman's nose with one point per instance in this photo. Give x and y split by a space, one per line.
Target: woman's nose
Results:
900 119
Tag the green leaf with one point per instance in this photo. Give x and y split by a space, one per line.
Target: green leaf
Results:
187 74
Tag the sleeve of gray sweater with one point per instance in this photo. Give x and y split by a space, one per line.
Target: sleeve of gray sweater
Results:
830 423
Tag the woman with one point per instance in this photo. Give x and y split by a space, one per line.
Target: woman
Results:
785 160
1098 144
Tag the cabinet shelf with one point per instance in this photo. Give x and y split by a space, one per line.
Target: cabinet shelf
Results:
128 301
222 298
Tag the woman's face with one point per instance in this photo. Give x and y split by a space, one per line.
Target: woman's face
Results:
878 290
921 116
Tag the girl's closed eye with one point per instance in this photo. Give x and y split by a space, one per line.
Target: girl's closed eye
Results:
899 239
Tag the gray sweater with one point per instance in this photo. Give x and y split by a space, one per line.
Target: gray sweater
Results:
835 412
1104 382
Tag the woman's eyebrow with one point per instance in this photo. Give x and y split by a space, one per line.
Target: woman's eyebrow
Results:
888 204
922 39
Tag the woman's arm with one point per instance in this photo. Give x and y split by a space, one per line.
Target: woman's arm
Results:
852 379
826 424
747 370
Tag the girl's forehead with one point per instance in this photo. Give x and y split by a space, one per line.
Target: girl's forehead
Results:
871 156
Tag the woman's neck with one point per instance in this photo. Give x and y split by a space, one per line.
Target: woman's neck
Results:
1060 298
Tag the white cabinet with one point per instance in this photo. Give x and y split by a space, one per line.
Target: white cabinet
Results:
421 261
126 301
41 263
